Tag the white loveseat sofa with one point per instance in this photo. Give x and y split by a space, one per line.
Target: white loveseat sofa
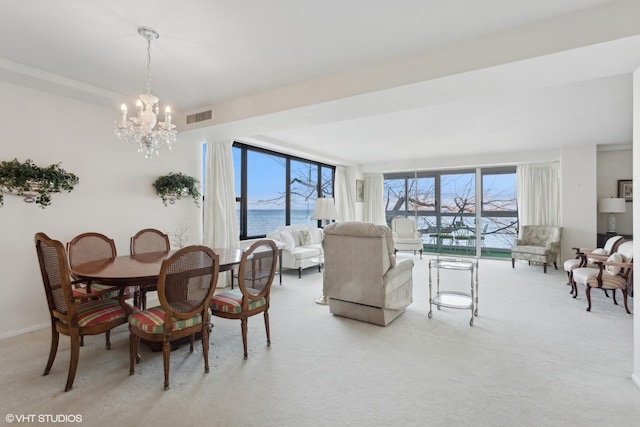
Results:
302 246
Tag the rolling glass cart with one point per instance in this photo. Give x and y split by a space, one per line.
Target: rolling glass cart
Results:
454 299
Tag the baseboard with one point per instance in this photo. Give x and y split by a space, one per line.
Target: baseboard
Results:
636 380
25 330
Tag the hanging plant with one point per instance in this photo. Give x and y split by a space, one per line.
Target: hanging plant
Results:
176 186
34 183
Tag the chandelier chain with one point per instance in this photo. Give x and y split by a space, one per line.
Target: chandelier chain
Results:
148 66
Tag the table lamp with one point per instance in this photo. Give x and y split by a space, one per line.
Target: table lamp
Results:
325 210
612 205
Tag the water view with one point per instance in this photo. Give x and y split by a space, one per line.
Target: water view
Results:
495 236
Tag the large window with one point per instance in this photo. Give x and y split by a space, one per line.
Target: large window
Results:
471 211
274 189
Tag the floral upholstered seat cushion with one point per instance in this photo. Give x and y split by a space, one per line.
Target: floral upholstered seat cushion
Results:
231 302
152 321
100 311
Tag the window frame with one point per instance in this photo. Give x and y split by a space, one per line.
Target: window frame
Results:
242 198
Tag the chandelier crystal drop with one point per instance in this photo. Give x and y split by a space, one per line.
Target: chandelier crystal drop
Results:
141 130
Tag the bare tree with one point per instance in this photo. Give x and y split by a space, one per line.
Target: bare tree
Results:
303 185
460 201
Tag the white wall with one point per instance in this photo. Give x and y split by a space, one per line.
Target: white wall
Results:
578 178
577 168
613 165
115 194
636 221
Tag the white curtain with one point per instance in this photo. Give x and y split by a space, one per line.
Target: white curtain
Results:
538 193
343 195
220 221
373 209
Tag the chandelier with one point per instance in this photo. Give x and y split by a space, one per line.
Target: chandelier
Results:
141 130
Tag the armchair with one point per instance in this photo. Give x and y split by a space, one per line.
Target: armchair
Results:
362 279
537 243
406 236
611 272
584 258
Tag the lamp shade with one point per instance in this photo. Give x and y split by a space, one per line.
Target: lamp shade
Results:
612 205
324 209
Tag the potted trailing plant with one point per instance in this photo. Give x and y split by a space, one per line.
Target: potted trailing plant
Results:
33 182
175 186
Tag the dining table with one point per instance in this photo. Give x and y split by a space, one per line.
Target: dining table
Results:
140 269
144 269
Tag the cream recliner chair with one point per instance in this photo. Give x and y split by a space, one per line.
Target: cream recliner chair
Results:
362 279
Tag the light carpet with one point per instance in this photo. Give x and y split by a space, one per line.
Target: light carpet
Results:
534 357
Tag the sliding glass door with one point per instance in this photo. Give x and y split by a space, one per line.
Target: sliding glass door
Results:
471 211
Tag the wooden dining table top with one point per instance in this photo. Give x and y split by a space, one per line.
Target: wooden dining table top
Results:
140 268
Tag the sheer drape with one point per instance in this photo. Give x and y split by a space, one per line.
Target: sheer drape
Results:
538 193
343 195
220 221
373 209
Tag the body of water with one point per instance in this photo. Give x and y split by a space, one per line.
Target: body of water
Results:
264 221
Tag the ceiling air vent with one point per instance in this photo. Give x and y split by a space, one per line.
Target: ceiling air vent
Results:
198 117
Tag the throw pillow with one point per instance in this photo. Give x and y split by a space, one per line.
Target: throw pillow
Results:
305 238
316 235
285 237
598 251
613 269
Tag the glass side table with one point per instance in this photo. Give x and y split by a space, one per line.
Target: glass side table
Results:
454 299
323 300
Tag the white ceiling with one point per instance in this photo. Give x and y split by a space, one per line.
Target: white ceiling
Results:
571 88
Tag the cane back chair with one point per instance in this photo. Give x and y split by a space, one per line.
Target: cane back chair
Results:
255 276
70 315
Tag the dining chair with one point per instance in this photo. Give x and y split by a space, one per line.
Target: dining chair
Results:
87 247
144 241
70 316
185 285
255 276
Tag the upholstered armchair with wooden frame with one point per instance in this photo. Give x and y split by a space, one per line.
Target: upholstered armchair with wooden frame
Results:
72 316
145 241
185 285
537 243
255 276
584 257
406 236
613 272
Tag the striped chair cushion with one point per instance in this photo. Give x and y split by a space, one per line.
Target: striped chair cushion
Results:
151 321
99 311
608 282
231 302
129 290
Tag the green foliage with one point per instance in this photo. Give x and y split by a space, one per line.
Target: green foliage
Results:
176 186
27 179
